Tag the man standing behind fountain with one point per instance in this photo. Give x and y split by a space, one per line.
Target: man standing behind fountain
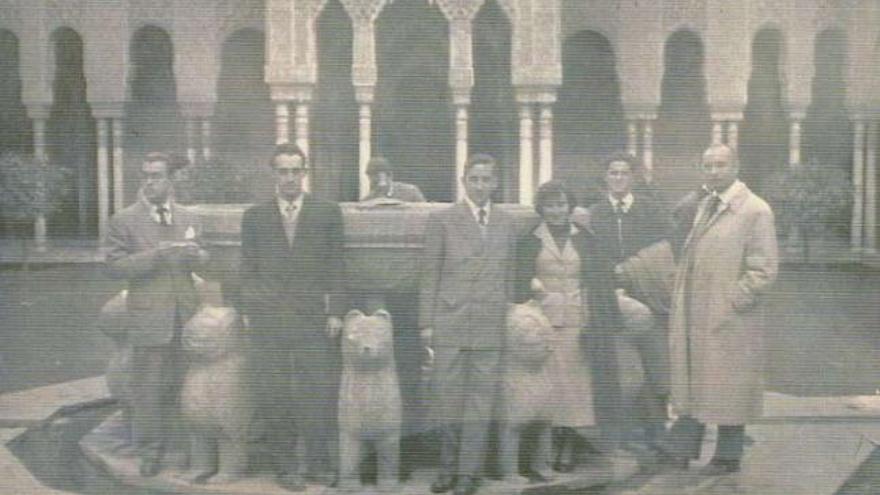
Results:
292 275
154 244
465 289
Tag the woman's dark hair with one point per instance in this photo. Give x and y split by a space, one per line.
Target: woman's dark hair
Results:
551 190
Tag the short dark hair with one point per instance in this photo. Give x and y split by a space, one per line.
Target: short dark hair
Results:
621 156
553 189
173 162
481 159
379 164
288 149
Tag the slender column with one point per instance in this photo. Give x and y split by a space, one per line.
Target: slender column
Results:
365 132
206 139
733 134
858 186
39 127
526 155
118 165
794 142
191 131
545 151
301 124
717 133
632 137
282 122
103 176
648 150
461 146
871 188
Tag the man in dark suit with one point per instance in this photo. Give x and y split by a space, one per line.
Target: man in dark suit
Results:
292 276
463 302
154 244
625 223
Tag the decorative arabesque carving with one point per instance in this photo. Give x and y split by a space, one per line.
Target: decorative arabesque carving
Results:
459 9
238 14
311 8
152 11
65 12
364 11
11 14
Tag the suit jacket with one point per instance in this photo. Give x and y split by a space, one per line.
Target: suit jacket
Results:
467 280
157 290
293 286
715 331
645 223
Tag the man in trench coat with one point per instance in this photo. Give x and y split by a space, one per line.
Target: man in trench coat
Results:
728 261
466 286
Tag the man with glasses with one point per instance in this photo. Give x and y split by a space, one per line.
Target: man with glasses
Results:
155 245
293 294
728 261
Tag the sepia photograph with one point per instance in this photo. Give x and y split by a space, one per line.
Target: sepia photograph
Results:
493 247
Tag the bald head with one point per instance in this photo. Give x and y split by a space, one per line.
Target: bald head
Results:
720 167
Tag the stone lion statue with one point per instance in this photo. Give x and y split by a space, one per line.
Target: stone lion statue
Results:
214 402
369 400
527 391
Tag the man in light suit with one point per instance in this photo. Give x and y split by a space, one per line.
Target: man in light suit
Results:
465 290
293 293
728 261
154 244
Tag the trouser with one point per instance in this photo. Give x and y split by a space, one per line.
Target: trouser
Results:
155 389
467 388
296 393
648 334
685 440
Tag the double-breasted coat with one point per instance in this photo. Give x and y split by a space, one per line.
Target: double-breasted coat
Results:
716 332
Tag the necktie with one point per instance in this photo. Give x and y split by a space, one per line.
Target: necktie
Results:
289 222
163 215
482 214
619 207
711 208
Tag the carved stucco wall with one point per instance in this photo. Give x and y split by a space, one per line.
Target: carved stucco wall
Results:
637 30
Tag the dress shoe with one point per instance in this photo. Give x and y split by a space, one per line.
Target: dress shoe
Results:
563 466
291 482
443 483
467 485
720 467
150 465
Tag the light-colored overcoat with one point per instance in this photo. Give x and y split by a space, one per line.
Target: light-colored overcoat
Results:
716 334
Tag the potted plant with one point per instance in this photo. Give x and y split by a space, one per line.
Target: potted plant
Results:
813 200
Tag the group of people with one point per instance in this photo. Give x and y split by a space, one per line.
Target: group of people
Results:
683 289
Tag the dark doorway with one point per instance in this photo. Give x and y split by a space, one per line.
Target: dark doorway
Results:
71 138
684 125
764 136
244 131
589 121
335 136
15 126
828 134
153 120
493 117
412 124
